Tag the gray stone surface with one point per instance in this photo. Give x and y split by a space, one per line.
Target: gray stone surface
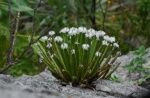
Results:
123 72
120 89
45 85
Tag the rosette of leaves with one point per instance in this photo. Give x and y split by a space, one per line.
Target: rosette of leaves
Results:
79 55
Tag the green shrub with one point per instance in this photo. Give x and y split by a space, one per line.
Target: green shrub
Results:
79 55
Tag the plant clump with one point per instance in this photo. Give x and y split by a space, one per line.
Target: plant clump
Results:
79 55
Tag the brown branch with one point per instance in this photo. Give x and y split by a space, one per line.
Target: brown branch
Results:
12 31
9 56
11 62
34 19
16 23
15 31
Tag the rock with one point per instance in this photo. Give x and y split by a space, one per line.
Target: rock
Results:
6 78
45 85
14 91
123 72
119 89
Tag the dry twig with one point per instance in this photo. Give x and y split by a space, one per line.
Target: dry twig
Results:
9 56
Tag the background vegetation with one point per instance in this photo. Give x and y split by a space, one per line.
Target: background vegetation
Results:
127 20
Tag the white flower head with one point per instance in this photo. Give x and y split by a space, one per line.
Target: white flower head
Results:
82 29
64 46
91 31
73 31
44 38
58 39
99 34
51 33
109 39
85 46
115 45
49 45
106 37
72 51
89 35
98 54
104 42
64 30
112 39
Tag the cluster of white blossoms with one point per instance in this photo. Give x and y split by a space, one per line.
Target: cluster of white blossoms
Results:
73 31
99 34
109 39
90 34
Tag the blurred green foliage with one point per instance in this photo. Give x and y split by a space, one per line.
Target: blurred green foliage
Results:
29 62
136 64
128 21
